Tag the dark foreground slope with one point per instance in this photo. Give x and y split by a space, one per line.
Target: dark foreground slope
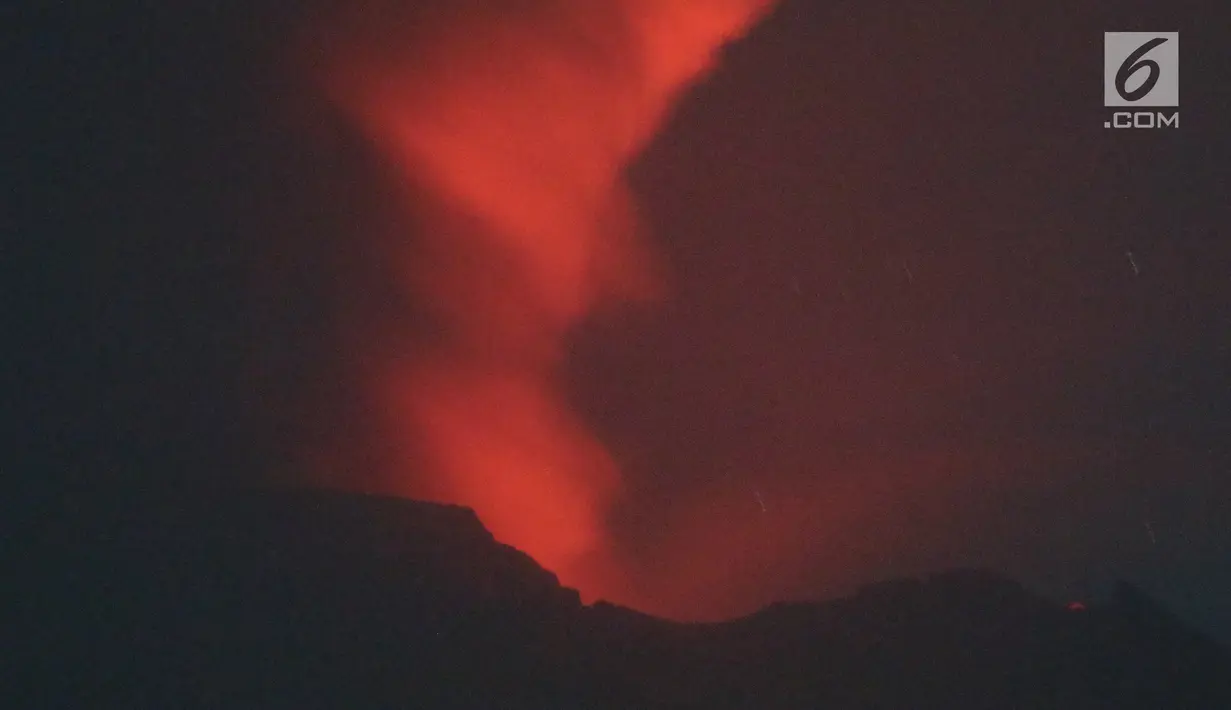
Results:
327 600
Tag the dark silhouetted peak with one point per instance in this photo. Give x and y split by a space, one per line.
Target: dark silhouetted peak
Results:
323 599
436 545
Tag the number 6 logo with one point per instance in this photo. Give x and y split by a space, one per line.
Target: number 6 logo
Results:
1141 69
1132 64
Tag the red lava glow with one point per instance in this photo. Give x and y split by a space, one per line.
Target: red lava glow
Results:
509 125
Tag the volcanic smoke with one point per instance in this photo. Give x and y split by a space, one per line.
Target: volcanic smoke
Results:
509 125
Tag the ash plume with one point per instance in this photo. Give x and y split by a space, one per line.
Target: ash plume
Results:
508 126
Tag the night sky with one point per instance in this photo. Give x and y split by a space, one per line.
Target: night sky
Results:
920 309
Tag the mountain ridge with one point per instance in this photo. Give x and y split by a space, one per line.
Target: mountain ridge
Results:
324 599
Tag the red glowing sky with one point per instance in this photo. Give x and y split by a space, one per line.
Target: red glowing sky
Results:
868 291
881 311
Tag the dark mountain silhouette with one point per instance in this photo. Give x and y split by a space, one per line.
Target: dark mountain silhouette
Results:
316 599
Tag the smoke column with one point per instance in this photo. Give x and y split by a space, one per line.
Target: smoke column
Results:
508 126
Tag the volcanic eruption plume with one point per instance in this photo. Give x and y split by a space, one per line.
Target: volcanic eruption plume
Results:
509 125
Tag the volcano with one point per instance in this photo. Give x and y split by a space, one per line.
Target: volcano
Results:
321 599
691 307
